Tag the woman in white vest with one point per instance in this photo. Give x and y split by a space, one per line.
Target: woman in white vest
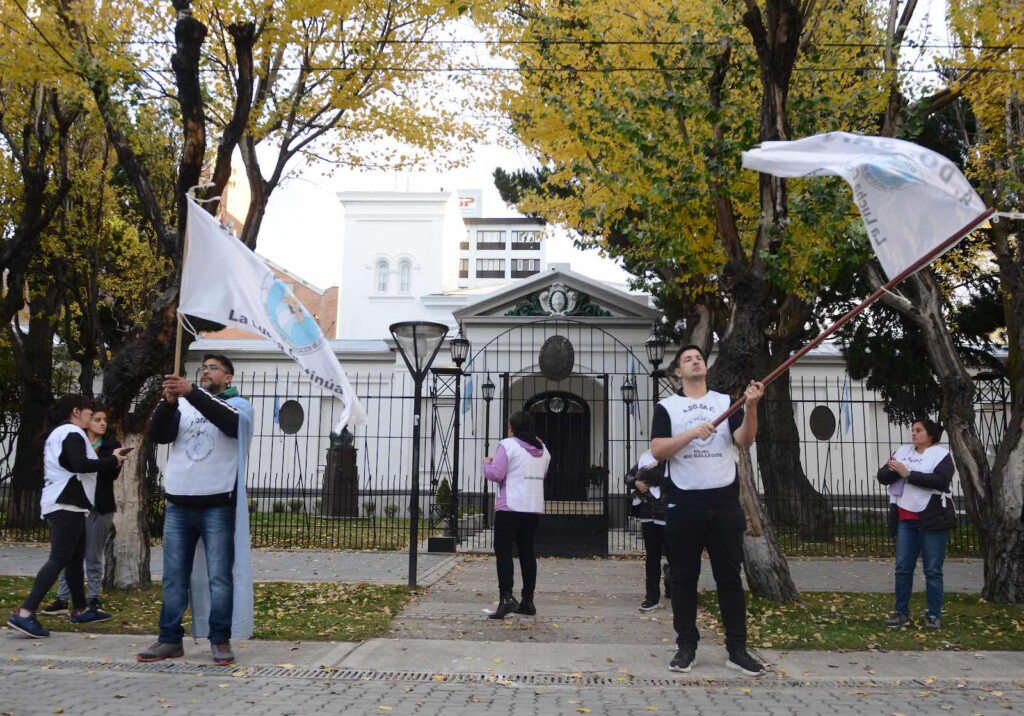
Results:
921 515
69 487
518 467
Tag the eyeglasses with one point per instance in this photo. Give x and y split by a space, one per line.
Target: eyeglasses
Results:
210 368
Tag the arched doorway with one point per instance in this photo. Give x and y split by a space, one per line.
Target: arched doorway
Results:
580 415
562 421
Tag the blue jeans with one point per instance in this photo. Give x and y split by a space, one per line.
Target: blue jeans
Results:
931 545
183 526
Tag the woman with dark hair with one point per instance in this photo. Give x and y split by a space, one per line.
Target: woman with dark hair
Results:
518 468
921 515
97 523
69 486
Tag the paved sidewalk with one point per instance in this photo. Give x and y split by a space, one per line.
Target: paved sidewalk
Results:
588 651
847 575
270 565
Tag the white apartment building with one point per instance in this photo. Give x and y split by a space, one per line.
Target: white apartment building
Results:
498 250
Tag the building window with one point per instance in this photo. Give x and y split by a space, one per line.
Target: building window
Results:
490 240
463 268
490 268
525 240
382 276
522 268
464 245
404 277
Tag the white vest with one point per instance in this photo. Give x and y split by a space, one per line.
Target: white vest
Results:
203 460
702 464
915 498
524 480
56 476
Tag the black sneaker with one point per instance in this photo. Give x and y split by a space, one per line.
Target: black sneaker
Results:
95 603
55 608
29 626
683 660
897 620
932 622
741 661
648 605
89 614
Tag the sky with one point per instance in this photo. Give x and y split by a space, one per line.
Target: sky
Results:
302 229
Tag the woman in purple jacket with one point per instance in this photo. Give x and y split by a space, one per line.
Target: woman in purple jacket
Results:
518 468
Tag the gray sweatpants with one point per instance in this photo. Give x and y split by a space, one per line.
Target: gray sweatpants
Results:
97 527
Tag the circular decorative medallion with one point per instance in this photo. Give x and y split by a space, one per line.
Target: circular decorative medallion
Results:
823 422
556 405
557 357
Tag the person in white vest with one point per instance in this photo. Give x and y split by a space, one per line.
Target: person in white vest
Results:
921 515
518 467
98 524
69 488
209 427
702 505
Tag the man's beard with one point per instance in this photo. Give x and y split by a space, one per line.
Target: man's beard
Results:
211 386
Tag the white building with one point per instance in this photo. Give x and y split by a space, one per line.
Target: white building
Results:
497 250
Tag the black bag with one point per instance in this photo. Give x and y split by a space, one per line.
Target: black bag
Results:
940 514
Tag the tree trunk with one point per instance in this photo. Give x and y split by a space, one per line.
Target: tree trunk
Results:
740 353
791 498
766 567
1004 548
127 554
33 356
1004 551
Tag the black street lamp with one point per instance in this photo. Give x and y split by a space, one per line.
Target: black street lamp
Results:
459 347
487 390
655 346
628 397
418 342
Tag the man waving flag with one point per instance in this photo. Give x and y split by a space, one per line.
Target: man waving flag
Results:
224 281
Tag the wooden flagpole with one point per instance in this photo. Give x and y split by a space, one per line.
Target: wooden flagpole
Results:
913 268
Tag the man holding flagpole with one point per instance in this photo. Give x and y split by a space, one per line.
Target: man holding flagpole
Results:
209 427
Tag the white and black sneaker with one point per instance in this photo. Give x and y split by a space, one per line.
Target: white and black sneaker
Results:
683 660
743 662
648 605
55 608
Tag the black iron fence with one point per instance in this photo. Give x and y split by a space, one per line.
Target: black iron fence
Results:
309 488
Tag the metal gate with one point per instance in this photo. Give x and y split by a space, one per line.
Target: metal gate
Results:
592 417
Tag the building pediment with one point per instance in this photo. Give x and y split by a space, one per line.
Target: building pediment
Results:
555 293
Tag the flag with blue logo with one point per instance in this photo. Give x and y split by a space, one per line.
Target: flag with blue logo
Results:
909 197
251 297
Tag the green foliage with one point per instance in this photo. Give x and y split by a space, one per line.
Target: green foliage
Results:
369 507
390 510
638 162
443 496
278 507
297 505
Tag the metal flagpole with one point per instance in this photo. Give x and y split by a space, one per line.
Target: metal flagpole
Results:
916 266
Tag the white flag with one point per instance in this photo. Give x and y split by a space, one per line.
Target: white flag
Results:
911 199
224 281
